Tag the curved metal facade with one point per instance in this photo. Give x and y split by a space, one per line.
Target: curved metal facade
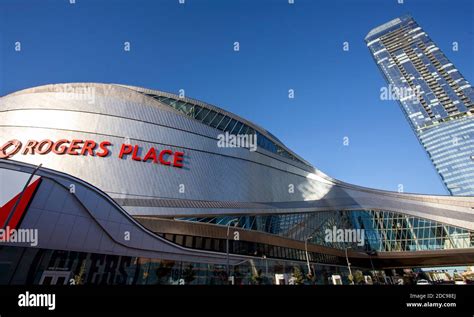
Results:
213 181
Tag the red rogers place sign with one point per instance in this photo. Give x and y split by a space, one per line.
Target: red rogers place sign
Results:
92 148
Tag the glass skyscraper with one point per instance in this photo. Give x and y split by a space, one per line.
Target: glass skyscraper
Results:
435 98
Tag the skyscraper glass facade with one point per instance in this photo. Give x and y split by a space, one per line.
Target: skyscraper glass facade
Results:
436 99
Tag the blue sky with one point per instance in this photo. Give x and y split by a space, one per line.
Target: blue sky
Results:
282 47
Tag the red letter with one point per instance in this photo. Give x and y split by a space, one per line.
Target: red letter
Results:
30 145
125 149
74 146
15 143
42 144
58 144
88 147
178 159
150 155
162 160
103 146
135 156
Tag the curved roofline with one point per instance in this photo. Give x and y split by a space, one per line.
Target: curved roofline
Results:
254 126
143 90
264 132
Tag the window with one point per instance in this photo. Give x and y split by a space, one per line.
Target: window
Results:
250 131
198 242
179 239
178 105
202 114
235 246
244 130
230 125
159 98
187 109
223 123
189 242
271 252
237 128
209 117
171 102
196 111
260 140
217 245
270 145
302 255
217 119
242 248
278 252
207 243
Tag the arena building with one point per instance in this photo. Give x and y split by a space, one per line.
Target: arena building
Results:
126 185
